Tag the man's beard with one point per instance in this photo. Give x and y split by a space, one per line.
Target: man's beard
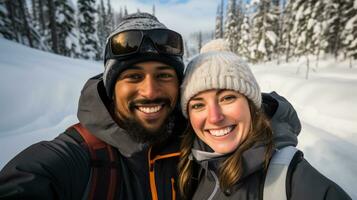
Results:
138 132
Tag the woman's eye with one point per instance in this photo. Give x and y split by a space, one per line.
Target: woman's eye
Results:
228 98
197 106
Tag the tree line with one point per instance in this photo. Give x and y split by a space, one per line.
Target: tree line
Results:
284 29
60 26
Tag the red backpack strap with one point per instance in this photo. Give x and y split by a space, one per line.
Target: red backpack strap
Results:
104 163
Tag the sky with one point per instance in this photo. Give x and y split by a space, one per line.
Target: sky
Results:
39 95
183 16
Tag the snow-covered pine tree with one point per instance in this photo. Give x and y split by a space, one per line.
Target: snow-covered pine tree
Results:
187 51
264 38
5 23
349 33
286 43
199 41
303 30
219 21
53 39
319 27
125 11
276 27
231 26
86 23
109 23
244 42
335 24
101 31
118 17
67 38
17 22
42 9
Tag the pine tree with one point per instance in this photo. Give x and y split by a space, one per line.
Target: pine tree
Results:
101 34
187 51
199 41
286 44
5 23
219 21
231 26
125 11
264 37
118 17
349 33
318 23
276 26
335 23
67 39
109 23
244 43
86 22
53 26
16 22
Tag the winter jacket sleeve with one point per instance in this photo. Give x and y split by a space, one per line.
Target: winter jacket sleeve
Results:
55 169
309 184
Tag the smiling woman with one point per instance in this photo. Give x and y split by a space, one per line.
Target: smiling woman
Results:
228 147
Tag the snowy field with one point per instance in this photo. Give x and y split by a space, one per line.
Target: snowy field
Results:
39 93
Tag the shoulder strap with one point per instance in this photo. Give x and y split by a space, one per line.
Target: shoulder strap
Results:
104 161
275 180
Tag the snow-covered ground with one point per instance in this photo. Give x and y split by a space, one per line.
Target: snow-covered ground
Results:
39 93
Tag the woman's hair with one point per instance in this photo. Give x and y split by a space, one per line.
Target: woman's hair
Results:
231 168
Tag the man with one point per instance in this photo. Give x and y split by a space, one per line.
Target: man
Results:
132 108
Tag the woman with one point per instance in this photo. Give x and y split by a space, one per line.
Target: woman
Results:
228 145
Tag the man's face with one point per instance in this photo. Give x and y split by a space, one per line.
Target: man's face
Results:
146 93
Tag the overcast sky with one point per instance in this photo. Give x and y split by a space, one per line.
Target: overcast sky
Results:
183 16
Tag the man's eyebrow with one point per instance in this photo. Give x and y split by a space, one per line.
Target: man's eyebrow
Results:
134 67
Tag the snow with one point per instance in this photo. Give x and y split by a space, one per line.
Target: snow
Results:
326 106
39 92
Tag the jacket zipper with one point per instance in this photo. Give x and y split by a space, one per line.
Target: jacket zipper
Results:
152 172
216 186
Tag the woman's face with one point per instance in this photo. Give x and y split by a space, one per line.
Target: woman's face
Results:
220 118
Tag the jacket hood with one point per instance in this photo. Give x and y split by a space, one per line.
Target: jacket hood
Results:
284 120
94 115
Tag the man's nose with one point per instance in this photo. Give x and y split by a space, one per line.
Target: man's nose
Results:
215 114
150 88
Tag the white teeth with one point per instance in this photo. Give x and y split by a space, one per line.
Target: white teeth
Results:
149 110
221 132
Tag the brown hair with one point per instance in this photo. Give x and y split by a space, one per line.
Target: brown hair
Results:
231 168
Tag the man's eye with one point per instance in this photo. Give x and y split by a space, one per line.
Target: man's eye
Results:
165 76
133 76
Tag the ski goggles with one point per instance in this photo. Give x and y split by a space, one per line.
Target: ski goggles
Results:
129 42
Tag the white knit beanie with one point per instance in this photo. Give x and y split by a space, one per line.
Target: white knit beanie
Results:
217 69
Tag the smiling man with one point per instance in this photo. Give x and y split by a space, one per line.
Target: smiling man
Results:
126 144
